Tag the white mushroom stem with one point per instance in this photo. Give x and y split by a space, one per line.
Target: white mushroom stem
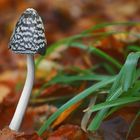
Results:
24 99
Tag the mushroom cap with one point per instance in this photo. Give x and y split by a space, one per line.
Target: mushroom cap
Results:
29 36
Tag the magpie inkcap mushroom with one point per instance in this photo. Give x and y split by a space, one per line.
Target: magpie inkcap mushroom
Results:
29 36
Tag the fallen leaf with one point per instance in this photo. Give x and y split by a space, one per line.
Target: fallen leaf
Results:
8 134
114 129
65 114
68 132
4 91
68 111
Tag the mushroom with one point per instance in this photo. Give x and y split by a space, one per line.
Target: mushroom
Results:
28 38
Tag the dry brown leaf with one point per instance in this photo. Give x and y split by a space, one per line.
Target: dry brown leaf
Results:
68 132
7 134
33 115
4 91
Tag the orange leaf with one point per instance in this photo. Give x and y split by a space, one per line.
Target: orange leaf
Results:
68 111
65 114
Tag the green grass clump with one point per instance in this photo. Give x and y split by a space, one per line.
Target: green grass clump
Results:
121 89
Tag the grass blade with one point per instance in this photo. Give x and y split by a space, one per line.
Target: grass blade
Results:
132 124
103 25
97 52
95 123
69 79
74 100
134 48
64 79
130 70
87 114
124 80
117 102
85 33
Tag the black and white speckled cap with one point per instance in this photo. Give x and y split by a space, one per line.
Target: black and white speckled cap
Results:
28 36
